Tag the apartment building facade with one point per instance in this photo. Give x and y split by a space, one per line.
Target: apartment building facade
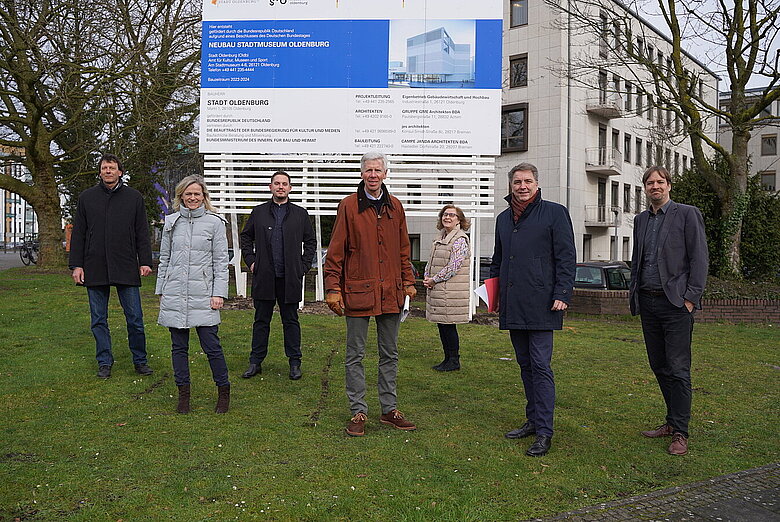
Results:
762 147
19 219
591 131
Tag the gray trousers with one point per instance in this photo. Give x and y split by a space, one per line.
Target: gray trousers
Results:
387 326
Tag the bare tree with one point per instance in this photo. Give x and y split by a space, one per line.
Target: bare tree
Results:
740 38
81 77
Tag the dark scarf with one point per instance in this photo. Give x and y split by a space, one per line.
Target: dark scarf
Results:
518 207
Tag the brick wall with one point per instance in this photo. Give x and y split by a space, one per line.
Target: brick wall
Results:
615 302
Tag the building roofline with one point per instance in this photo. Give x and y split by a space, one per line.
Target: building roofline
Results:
646 22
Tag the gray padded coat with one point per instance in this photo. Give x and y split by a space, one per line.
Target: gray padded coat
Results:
193 268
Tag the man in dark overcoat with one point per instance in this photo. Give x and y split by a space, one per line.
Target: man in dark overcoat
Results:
278 246
110 246
535 260
668 272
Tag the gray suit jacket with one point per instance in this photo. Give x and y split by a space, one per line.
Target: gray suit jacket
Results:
683 259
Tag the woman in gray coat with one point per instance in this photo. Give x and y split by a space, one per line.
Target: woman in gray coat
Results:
192 281
448 283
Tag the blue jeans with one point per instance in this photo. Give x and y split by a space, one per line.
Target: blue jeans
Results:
130 299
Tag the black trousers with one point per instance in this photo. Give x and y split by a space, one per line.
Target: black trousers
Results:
264 310
450 342
667 330
209 342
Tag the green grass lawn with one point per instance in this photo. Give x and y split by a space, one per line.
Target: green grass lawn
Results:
77 447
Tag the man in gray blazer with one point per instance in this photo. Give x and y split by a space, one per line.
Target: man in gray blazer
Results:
668 273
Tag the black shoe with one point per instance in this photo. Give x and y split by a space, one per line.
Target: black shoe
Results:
523 431
104 372
295 371
143 369
253 370
540 447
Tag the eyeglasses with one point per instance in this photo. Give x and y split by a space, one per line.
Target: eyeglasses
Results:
449 214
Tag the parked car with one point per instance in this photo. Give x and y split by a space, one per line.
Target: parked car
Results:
603 275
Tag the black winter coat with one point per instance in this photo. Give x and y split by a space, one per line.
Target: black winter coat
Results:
535 260
256 248
110 238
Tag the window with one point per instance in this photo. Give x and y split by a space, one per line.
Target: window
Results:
514 128
615 193
604 36
616 83
639 151
518 70
627 147
629 89
650 107
668 159
414 247
626 197
640 104
768 180
685 163
637 199
518 13
660 59
650 53
769 144
616 33
627 255
640 47
677 163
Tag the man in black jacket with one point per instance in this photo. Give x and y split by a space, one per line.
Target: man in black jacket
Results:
109 247
271 244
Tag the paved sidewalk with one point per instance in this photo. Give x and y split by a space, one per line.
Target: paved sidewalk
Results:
752 495
9 259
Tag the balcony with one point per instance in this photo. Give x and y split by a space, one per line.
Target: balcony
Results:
606 161
605 105
602 216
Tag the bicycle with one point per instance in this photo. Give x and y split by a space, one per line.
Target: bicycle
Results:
29 251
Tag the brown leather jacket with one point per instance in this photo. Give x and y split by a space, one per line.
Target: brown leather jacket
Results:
368 256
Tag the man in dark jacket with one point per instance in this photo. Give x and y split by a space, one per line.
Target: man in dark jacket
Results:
535 261
271 243
668 273
109 247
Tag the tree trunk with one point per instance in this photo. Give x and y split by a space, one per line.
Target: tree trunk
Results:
45 200
736 205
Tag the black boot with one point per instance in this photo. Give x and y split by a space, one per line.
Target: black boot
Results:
453 361
451 365
223 399
184 399
446 359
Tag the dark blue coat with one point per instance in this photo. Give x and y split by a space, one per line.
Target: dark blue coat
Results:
535 261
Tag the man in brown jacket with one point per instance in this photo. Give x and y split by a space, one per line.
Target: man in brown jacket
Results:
368 274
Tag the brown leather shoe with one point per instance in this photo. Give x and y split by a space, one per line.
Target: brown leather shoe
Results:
679 445
664 430
396 418
357 425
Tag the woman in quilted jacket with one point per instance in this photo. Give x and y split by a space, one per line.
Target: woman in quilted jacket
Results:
192 282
